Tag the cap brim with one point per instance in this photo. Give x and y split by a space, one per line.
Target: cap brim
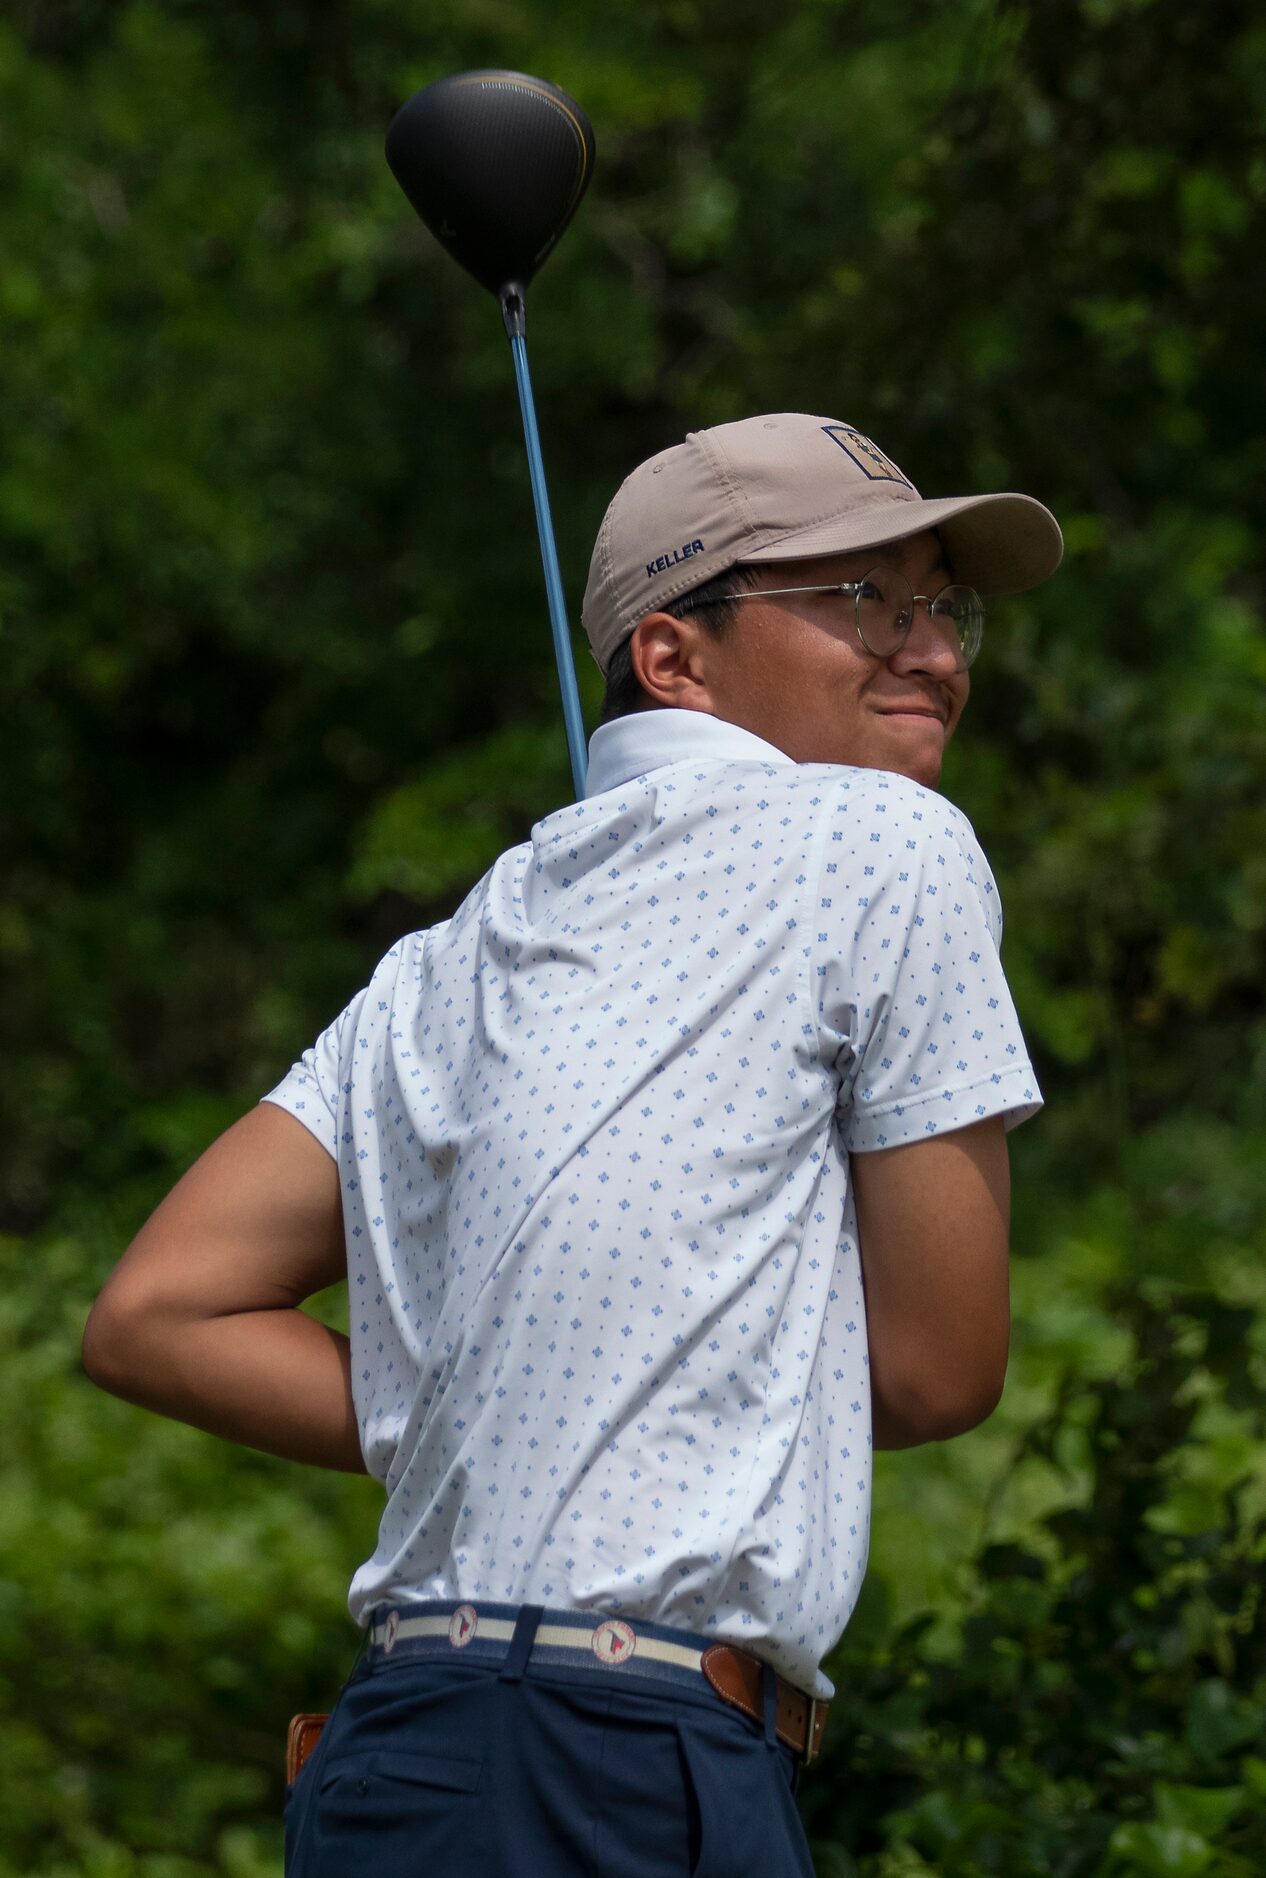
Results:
997 544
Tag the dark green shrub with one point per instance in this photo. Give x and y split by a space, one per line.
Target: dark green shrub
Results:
1103 1710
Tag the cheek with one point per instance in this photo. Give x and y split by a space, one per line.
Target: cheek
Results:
960 694
833 692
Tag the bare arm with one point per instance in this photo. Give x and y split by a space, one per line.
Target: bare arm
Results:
200 1318
933 1221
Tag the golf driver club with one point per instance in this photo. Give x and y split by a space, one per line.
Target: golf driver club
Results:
495 163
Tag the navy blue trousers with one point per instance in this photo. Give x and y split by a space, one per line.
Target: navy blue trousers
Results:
436 1769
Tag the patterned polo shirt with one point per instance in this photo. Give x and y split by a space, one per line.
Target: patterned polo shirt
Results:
594 1135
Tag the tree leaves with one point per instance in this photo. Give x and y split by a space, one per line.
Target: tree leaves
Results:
278 684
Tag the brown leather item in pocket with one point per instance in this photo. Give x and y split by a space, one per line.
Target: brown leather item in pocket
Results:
304 1733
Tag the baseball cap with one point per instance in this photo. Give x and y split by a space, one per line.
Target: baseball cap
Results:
782 488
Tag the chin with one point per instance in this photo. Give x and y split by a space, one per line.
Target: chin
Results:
920 760
925 770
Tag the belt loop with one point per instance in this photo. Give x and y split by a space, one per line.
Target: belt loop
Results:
811 1740
521 1642
769 1688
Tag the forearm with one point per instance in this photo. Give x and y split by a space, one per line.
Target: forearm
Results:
276 1380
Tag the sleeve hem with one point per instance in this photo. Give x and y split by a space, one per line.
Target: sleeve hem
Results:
314 1116
1012 1092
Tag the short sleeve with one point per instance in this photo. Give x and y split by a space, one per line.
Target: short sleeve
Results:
313 1090
926 1033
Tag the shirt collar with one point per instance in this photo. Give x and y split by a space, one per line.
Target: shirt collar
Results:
646 740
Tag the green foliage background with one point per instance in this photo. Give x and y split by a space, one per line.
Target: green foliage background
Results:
278 686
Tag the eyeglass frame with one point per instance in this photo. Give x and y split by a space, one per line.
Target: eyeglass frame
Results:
854 587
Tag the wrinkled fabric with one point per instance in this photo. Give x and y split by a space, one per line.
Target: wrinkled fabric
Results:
594 1133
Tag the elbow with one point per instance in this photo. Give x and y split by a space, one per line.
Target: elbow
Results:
957 1412
113 1351
100 1351
936 1408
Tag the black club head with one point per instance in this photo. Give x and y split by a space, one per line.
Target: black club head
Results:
495 163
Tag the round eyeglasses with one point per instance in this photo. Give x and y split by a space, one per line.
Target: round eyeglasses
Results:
883 607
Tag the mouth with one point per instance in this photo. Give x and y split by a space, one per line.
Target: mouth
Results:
913 710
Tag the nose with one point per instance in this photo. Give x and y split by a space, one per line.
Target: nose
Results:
931 645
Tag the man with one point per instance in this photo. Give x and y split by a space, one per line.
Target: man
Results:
607 1158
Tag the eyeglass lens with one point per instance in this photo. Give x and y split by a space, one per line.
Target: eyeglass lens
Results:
885 614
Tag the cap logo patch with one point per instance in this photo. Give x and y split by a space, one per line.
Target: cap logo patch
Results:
868 457
663 562
614 1641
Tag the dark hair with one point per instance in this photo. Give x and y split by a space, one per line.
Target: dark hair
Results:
624 694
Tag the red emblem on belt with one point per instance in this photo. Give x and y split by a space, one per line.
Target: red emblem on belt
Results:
462 1626
613 1642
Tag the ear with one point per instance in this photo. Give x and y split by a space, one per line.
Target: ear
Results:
672 659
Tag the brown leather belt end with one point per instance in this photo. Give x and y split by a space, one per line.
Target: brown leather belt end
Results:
738 1678
304 1733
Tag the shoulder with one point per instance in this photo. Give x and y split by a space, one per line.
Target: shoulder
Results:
880 798
901 842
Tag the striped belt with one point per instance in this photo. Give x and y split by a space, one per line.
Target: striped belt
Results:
571 1640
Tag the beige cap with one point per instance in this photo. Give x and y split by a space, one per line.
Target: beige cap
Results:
782 488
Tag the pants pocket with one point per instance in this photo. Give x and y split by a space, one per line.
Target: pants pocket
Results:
747 1823
408 1814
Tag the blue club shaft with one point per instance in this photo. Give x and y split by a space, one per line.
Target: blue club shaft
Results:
572 719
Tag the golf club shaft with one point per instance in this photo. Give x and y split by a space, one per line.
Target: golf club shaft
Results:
572 719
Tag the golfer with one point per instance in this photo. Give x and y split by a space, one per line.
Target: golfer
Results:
669 1177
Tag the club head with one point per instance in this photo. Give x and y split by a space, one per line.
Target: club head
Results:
495 163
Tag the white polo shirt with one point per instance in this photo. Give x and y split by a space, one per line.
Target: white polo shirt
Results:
608 1331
